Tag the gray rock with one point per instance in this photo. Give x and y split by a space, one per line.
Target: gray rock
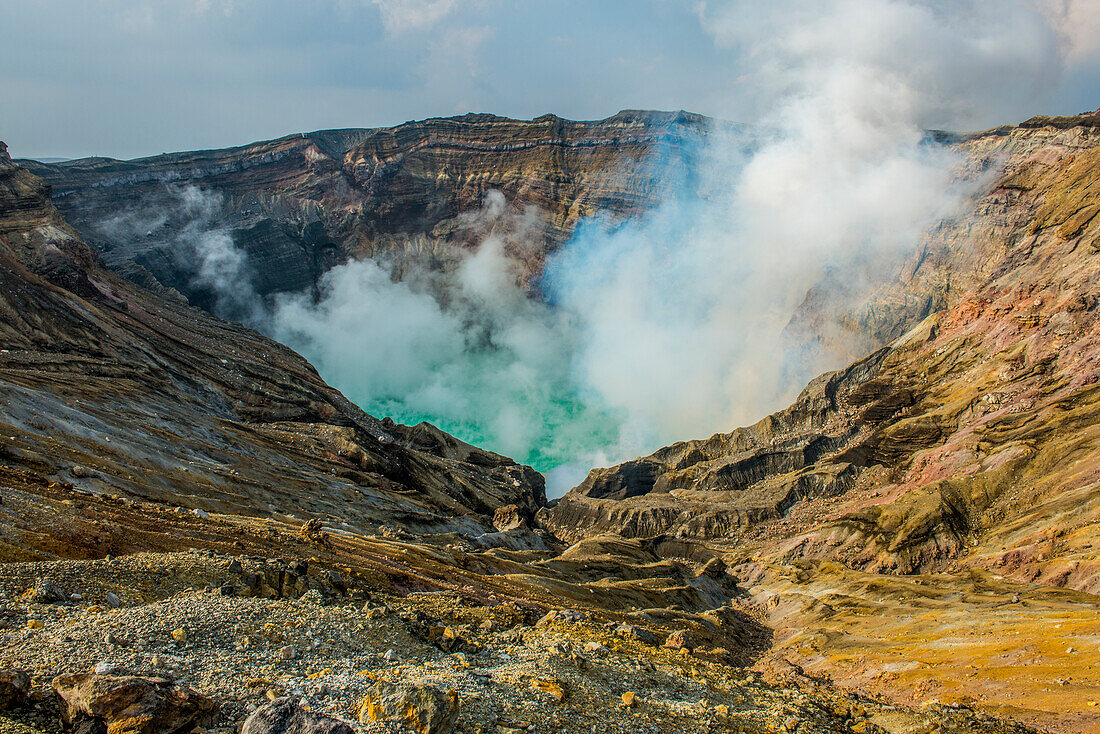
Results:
47 592
112 600
637 633
285 716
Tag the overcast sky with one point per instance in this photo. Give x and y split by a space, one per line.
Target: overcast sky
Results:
126 78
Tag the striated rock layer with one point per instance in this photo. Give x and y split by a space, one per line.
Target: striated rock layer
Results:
301 204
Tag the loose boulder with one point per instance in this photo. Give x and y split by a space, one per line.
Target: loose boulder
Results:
131 705
15 688
423 708
509 518
285 716
47 592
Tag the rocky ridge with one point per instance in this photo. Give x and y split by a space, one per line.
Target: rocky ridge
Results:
299 205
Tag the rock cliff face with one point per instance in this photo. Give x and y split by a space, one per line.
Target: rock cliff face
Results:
108 388
966 442
301 204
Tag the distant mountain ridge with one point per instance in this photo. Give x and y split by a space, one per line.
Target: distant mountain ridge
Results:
303 203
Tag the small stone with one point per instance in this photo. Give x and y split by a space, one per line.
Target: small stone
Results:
104 668
34 624
286 652
553 686
791 723
235 566
47 592
596 648
156 661
390 655
201 514
549 618
179 635
112 600
676 640
629 699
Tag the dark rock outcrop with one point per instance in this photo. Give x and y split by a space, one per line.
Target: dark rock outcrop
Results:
284 716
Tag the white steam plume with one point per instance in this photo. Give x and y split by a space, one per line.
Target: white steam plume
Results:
468 349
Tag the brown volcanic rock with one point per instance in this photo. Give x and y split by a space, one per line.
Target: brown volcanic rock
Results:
131 705
301 204
111 389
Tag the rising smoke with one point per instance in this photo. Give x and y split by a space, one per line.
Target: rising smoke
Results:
673 326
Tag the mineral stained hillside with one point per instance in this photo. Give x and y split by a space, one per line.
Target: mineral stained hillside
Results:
197 532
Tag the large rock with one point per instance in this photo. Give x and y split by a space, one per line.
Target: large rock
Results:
284 716
423 708
47 592
15 687
131 705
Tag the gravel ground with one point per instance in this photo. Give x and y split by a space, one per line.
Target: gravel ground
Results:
511 676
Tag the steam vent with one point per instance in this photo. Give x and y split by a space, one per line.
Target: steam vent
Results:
782 418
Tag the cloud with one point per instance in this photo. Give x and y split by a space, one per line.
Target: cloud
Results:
1077 23
400 16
